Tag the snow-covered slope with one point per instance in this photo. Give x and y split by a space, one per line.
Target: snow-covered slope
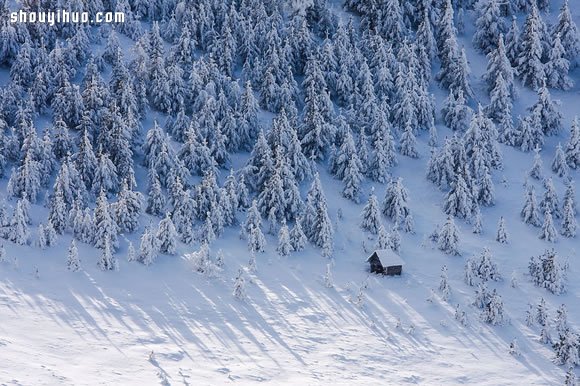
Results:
166 323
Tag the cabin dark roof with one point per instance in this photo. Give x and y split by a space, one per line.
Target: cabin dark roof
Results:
388 257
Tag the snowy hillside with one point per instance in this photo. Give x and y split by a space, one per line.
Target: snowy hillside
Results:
190 197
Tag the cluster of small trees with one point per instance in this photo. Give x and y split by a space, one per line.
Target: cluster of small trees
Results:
551 209
548 271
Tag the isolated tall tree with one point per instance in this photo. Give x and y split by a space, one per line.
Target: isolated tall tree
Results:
502 234
284 244
371 216
19 232
73 262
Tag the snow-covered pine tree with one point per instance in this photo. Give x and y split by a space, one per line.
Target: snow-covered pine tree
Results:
459 200
448 240
41 237
371 216
240 286
73 262
284 243
536 171
396 202
559 165
568 32
489 25
298 239
529 62
106 261
155 198
166 236
512 42
19 232
352 179
477 222
499 64
395 239
557 68
502 235
408 142
573 145
548 231
131 253
550 201
569 223
148 247
530 213
444 287
550 116
106 229
528 133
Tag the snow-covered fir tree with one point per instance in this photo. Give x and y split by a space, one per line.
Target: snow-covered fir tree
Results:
148 248
240 286
73 262
530 211
569 223
559 165
489 25
556 70
568 32
166 236
550 201
284 244
396 202
106 229
444 287
548 231
502 234
298 239
536 171
529 61
448 240
370 216
550 117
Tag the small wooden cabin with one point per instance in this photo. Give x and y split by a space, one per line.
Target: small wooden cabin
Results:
385 261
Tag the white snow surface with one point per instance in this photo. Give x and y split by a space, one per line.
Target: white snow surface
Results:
93 327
